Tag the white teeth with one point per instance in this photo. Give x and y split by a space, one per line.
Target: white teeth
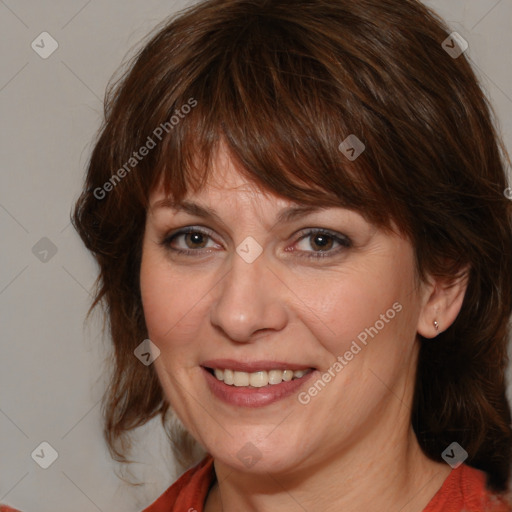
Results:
257 379
275 376
241 379
287 375
229 377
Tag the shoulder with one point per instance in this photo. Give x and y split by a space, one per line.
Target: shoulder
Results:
465 490
188 492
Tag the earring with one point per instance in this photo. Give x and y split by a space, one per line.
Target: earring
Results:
436 325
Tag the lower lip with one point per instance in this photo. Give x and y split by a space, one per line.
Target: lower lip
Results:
254 397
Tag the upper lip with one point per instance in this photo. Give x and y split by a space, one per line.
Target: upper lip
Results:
252 366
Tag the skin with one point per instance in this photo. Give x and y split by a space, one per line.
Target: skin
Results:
352 447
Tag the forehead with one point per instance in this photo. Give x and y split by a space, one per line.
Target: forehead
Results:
230 189
226 182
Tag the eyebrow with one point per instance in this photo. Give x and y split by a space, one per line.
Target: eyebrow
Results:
287 215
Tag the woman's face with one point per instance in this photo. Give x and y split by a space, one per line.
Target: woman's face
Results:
258 296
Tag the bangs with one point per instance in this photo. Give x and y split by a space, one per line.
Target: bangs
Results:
280 114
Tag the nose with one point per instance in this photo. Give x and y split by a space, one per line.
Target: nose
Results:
249 301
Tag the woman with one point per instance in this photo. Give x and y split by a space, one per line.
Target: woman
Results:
301 204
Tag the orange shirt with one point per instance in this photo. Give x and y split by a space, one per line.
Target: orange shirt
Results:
463 491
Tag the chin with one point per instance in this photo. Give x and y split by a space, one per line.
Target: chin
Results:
243 454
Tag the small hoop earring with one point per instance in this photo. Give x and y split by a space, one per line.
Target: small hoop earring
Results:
436 325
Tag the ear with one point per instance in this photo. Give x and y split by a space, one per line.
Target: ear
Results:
443 299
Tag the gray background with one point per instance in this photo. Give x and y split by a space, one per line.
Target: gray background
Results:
52 365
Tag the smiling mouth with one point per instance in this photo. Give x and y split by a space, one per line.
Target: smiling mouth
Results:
256 379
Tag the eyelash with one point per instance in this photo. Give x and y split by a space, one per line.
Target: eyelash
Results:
343 240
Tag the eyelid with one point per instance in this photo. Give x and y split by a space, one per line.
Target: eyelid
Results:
343 240
167 239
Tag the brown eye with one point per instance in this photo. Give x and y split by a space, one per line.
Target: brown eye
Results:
322 243
195 239
187 241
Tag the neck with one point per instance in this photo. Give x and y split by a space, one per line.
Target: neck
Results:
383 472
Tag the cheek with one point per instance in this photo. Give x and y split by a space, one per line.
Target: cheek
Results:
375 304
337 307
161 301
155 297
175 303
354 315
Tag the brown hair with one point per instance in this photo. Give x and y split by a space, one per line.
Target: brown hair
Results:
283 83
